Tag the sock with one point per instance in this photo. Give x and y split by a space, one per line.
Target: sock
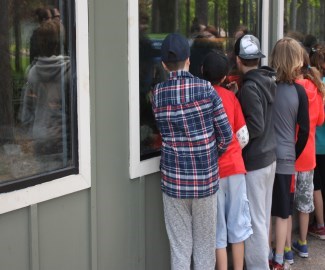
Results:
278 258
302 242
320 226
287 249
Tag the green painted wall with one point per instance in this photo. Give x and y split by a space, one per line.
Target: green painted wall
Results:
118 223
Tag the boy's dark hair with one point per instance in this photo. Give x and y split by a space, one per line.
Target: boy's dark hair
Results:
249 62
215 67
174 66
48 38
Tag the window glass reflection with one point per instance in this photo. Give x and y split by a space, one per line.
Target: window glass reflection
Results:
209 25
37 136
304 21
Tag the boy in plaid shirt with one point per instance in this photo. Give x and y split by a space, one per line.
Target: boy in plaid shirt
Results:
195 132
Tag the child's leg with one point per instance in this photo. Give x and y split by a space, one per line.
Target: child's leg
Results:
320 164
318 197
204 232
319 207
304 201
288 254
238 218
238 255
222 234
221 259
281 208
289 225
259 192
281 225
289 232
303 226
178 221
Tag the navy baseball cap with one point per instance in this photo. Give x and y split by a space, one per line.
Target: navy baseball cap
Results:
248 47
175 48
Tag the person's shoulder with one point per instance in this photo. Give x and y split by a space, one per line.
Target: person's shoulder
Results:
198 82
224 92
159 86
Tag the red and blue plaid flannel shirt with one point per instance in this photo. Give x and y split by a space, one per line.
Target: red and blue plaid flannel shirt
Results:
195 131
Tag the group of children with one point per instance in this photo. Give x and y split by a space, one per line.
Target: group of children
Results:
254 141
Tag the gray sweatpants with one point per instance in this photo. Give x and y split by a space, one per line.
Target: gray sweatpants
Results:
191 229
259 185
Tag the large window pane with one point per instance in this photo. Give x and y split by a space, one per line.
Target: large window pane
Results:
37 86
207 24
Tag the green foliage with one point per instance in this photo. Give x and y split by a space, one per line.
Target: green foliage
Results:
314 3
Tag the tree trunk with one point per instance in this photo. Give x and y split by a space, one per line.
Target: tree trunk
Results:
167 11
188 18
201 11
322 21
252 18
155 17
302 12
245 12
233 16
6 119
176 22
293 15
17 33
216 16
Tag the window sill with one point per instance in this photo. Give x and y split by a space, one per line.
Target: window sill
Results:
46 191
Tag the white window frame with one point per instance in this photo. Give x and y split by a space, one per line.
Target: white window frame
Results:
72 183
137 167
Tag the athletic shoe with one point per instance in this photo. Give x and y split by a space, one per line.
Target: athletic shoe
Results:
270 264
276 266
286 266
317 232
302 250
288 257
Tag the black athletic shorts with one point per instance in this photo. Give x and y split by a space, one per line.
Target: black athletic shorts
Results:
282 197
319 173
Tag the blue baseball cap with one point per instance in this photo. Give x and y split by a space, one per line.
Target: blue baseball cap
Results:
175 48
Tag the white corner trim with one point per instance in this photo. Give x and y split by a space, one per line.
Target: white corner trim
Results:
280 25
59 187
137 168
265 30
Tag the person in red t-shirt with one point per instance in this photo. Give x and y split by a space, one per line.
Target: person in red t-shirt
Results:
233 214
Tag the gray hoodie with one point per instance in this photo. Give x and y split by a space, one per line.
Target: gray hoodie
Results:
256 97
45 103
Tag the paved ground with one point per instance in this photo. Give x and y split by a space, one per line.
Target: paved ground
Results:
316 259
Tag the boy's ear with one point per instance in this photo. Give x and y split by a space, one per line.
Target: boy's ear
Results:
238 61
223 79
164 66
